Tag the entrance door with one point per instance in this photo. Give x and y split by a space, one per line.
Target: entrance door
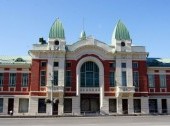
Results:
125 106
164 106
90 103
10 105
55 108
153 108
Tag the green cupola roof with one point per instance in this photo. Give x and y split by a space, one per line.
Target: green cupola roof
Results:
83 35
57 30
120 32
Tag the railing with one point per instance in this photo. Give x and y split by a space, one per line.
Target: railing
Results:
125 89
40 47
89 90
56 88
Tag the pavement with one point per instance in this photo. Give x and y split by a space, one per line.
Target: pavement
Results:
157 120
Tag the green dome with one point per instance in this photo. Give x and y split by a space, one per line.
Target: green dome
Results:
57 30
120 32
83 35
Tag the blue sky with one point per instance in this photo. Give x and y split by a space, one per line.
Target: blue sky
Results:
22 22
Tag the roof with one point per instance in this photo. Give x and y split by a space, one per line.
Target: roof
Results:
158 62
57 30
9 60
120 32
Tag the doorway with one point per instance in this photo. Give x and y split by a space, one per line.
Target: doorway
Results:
125 106
55 107
10 105
164 106
90 103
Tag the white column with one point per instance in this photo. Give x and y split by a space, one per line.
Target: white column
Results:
129 75
159 103
119 105
105 106
144 105
118 72
33 106
48 108
61 104
168 105
5 106
130 106
16 106
76 105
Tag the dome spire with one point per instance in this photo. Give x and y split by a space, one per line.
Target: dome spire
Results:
57 30
83 35
120 32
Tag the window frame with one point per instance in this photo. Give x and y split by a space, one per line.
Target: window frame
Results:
162 81
12 79
43 84
55 78
55 64
25 79
151 80
1 79
136 85
43 63
123 65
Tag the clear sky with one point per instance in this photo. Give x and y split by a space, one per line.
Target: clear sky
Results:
22 22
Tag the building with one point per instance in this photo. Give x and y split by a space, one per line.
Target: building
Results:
88 76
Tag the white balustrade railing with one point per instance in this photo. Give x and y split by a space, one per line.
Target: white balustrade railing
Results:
125 89
55 88
89 90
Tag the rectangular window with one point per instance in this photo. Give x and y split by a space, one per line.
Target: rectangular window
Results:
137 105
136 78
68 78
124 82
68 65
151 80
12 79
1 105
56 64
112 105
162 81
41 106
23 105
67 105
55 75
43 64
1 79
112 65
135 65
123 65
25 79
112 79
43 78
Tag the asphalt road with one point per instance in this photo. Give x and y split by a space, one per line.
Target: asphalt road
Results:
89 121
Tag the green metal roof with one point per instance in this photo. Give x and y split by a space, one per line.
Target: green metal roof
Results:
121 32
158 62
57 30
13 60
83 35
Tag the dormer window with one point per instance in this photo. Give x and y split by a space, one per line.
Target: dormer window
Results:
122 44
19 60
56 42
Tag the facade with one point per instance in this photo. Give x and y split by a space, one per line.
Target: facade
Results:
86 77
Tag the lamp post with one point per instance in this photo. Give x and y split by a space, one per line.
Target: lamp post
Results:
52 81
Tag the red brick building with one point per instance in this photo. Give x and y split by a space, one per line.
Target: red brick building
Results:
88 76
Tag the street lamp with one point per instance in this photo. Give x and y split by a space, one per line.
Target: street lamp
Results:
52 82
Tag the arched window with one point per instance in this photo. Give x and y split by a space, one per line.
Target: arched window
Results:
89 75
